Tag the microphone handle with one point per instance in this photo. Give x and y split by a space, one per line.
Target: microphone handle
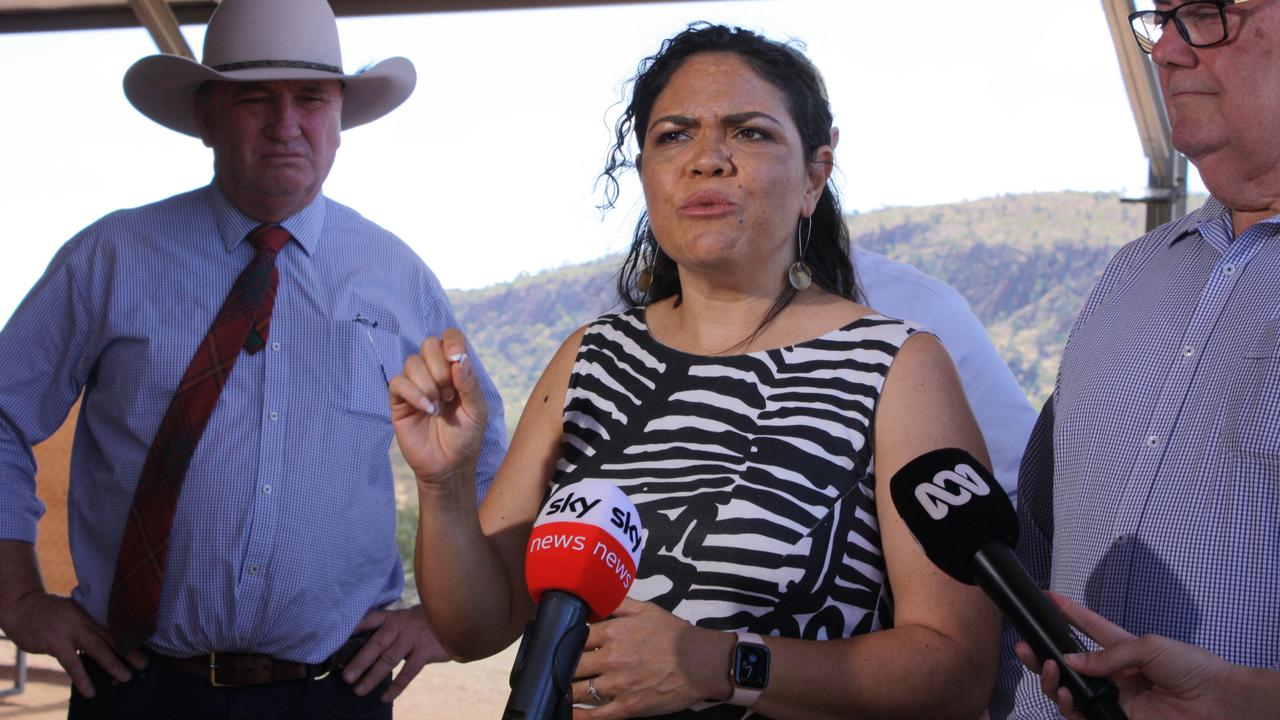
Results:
542 677
997 571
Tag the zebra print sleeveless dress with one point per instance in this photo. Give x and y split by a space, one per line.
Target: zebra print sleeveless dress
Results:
752 474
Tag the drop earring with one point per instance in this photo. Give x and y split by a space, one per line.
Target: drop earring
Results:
645 277
798 274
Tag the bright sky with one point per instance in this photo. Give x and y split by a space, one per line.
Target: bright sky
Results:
488 170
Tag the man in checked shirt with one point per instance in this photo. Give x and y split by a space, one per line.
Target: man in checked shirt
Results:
1161 514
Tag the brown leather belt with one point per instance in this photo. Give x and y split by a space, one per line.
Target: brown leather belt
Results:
226 669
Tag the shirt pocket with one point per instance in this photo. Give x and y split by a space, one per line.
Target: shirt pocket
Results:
1252 423
366 343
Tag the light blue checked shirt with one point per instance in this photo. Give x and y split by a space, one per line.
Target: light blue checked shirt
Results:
284 536
1166 448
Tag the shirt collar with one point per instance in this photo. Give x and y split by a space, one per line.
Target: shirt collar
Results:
1213 223
234 226
1203 221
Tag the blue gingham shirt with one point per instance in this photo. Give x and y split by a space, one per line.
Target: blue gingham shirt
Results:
1166 448
284 536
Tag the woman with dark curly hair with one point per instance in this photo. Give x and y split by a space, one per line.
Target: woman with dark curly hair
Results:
751 410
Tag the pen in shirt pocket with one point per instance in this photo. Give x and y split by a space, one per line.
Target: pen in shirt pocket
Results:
369 324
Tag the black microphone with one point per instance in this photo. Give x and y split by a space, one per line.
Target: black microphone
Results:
967 527
579 565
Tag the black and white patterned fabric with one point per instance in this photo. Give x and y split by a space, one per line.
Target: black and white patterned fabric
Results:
752 474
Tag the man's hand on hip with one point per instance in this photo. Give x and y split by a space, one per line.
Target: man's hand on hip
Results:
38 622
398 635
54 625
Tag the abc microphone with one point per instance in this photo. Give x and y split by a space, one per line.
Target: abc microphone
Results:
967 527
579 564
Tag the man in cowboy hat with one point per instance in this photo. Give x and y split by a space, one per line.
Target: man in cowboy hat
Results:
231 506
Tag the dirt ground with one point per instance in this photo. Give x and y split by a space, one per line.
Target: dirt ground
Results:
448 691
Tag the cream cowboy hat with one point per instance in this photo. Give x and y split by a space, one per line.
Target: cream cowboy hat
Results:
250 40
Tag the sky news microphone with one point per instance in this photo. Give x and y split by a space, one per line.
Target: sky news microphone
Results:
579 564
968 528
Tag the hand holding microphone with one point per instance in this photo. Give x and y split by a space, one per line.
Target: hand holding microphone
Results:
644 661
580 562
1158 677
967 527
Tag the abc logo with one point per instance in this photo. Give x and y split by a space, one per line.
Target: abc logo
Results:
937 499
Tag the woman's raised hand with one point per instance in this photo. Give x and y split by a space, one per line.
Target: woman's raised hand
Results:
438 410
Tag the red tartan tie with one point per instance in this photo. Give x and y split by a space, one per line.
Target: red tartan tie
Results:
243 321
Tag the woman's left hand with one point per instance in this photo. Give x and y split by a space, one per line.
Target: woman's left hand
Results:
645 661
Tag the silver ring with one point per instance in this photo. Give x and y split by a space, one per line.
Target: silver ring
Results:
591 690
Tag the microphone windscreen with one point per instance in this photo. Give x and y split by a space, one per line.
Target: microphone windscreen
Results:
586 541
953 506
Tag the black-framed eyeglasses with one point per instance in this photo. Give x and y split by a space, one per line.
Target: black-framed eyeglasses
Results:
1201 23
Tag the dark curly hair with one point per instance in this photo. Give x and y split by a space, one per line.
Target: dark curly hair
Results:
785 67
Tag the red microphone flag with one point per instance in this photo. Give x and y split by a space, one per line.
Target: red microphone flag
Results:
586 542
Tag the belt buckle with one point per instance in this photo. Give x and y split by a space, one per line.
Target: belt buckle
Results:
213 672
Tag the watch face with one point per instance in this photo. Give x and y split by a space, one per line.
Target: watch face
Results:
751 666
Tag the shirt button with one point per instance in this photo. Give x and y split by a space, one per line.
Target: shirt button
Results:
273 415
254 569
1228 269
1188 351
266 489
275 346
1153 440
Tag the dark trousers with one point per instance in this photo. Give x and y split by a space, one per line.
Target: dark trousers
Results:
165 694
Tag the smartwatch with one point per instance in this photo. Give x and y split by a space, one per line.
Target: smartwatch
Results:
748 669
